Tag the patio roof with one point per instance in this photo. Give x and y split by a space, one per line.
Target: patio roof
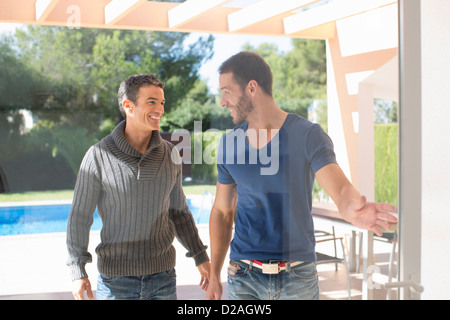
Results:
290 18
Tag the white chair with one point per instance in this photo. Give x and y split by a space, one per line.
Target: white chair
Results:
322 258
388 237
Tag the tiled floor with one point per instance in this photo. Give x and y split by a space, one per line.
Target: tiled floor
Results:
33 267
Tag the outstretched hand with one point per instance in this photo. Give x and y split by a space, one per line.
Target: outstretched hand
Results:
370 215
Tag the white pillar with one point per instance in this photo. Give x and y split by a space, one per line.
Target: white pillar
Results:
366 152
335 122
435 258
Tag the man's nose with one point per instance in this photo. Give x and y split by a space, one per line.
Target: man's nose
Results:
160 109
223 102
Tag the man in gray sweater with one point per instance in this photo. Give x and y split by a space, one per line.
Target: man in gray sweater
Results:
132 179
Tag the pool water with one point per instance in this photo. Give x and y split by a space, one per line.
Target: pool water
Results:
49 218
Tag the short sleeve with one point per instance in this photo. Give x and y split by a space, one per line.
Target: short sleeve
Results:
223 175
319 148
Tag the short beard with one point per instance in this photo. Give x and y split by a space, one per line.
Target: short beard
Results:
243 108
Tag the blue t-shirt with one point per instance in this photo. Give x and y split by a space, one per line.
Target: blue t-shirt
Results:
274 187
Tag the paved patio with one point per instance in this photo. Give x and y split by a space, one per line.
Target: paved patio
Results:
33 268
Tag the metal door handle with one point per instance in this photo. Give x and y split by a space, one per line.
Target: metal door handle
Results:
414 286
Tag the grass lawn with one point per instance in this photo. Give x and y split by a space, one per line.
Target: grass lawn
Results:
199 188
68 194
37 196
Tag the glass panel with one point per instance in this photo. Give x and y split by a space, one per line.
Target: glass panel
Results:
58 97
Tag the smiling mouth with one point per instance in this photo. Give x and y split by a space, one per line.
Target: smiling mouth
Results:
155 117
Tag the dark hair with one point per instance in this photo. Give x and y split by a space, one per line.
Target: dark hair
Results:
247 66
129 88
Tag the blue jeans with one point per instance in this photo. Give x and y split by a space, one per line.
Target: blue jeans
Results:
158 286
249 283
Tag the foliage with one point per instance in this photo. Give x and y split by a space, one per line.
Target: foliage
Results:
61 139
197 106
386 163
299 76
386 166
68 79
16 81
78 71
385 111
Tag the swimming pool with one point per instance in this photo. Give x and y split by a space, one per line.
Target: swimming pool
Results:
16 219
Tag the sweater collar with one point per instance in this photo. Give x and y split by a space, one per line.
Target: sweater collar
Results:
122 143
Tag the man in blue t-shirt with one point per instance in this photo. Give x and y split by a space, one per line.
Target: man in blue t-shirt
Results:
266 169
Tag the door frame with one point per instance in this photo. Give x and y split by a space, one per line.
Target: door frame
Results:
410 146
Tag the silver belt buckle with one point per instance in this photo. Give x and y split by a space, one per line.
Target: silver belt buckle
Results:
270 268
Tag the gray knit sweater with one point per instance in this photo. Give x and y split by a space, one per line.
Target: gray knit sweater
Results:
141 203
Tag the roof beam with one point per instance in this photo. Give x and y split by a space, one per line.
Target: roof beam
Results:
330 12
117 9
190 9
18 11
263 10
215 21
152 15
44 8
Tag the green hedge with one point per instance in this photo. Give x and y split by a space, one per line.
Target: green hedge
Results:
386 163
386 166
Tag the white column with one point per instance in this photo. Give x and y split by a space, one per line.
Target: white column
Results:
366 153
435 258
335 122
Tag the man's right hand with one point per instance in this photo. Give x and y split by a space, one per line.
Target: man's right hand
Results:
79 286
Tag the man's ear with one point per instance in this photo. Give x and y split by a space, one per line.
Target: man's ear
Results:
252 87
128 106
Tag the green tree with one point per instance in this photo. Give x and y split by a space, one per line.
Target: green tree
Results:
69 79
198 105
385 111
299 75
16 78
79 71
